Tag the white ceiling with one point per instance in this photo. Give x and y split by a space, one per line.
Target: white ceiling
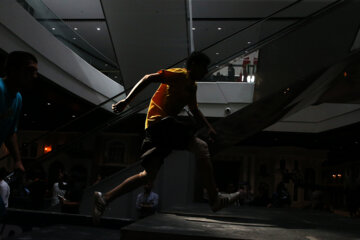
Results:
230 15
76 9
99 39
91 9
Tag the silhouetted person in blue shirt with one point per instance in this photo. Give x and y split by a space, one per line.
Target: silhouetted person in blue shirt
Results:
20 69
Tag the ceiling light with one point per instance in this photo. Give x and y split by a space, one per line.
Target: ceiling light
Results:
219 28
116 77
106 64
193 29
53 29
249 42
75 28
217 53
98 29
73 116
74 38
25 114
48 104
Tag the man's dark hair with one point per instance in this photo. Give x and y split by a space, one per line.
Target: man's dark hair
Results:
18 59
197 58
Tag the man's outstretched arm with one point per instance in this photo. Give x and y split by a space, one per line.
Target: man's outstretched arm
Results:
199 116
143 83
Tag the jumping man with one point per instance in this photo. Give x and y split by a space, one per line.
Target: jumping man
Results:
164 133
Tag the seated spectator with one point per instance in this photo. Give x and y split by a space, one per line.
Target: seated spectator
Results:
70 203
58 189
37 186
281 197
4 188
56 182
147 201
317 201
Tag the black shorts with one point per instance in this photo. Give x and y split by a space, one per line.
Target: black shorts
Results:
161 138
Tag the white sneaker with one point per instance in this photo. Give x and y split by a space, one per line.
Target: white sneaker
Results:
223 200
99 207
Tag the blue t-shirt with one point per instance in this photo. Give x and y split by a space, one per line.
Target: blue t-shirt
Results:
10 107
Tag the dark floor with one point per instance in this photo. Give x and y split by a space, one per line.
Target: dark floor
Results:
198 222
69 232
31 224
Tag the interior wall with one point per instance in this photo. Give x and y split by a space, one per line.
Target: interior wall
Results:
310 49
147 36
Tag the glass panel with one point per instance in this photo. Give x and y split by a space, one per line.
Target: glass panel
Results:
71 38
239 49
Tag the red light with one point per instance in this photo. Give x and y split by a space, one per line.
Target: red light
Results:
47 148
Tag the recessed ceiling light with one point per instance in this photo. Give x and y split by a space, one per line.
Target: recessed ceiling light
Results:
98 29
193 29
219 28
53 29
48 104
73 116
249 42
25 114
217 53
75 28
74 38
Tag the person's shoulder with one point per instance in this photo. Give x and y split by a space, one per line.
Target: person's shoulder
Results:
3 183
178 70
174 71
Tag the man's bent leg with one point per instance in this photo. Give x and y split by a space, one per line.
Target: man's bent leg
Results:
217 201
131 183
205 168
